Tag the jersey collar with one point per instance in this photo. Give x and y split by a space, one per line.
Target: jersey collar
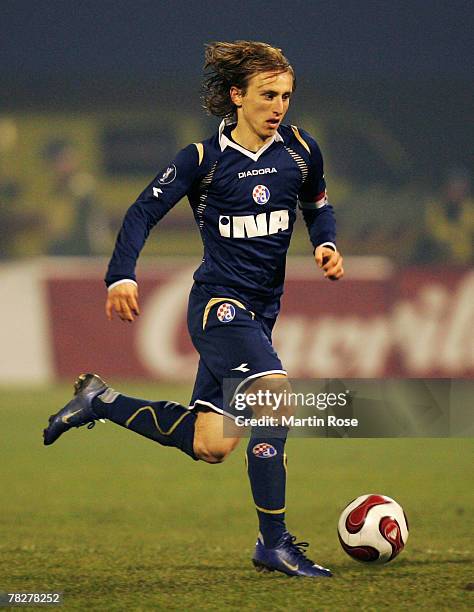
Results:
224 141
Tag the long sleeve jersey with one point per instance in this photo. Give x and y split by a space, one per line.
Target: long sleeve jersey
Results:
245 207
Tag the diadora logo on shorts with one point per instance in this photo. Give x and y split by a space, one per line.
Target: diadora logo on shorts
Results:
242 368
261 194
256 172
226 313
168 175
264 450
250 226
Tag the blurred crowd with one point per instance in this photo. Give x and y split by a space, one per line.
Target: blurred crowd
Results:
69 222
409 225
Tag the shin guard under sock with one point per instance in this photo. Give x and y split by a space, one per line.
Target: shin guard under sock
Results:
168 423
266 462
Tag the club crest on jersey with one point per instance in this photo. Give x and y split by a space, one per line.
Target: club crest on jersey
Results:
264 450
226 313
261 194
168 175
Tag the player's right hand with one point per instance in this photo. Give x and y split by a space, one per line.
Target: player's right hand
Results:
123 299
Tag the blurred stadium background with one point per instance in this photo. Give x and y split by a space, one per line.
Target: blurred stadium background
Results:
94 104
95 99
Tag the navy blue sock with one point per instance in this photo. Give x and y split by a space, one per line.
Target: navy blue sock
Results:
168 423
266 464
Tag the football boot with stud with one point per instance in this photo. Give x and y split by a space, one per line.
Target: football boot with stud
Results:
78 411
287 557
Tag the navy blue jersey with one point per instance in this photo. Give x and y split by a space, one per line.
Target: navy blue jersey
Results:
245 206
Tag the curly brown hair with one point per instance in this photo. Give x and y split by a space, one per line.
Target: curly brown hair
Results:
230 64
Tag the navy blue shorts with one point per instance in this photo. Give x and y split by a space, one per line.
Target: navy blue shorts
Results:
233 343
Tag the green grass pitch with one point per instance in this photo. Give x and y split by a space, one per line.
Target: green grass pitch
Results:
117 522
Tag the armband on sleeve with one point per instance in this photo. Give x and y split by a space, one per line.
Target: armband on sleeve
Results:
313 201
321 224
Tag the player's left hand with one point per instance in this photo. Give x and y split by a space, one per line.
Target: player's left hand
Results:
330 262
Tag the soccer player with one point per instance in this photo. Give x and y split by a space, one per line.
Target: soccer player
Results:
244 185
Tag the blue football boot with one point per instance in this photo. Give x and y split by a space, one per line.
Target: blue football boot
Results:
78 411
288 557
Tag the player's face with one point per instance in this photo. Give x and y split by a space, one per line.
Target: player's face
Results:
265 103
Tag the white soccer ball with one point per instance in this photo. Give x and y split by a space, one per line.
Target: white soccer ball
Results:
373 528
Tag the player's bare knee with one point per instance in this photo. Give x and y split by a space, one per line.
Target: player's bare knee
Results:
270 382
213 453
210 445
276 393
206 454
